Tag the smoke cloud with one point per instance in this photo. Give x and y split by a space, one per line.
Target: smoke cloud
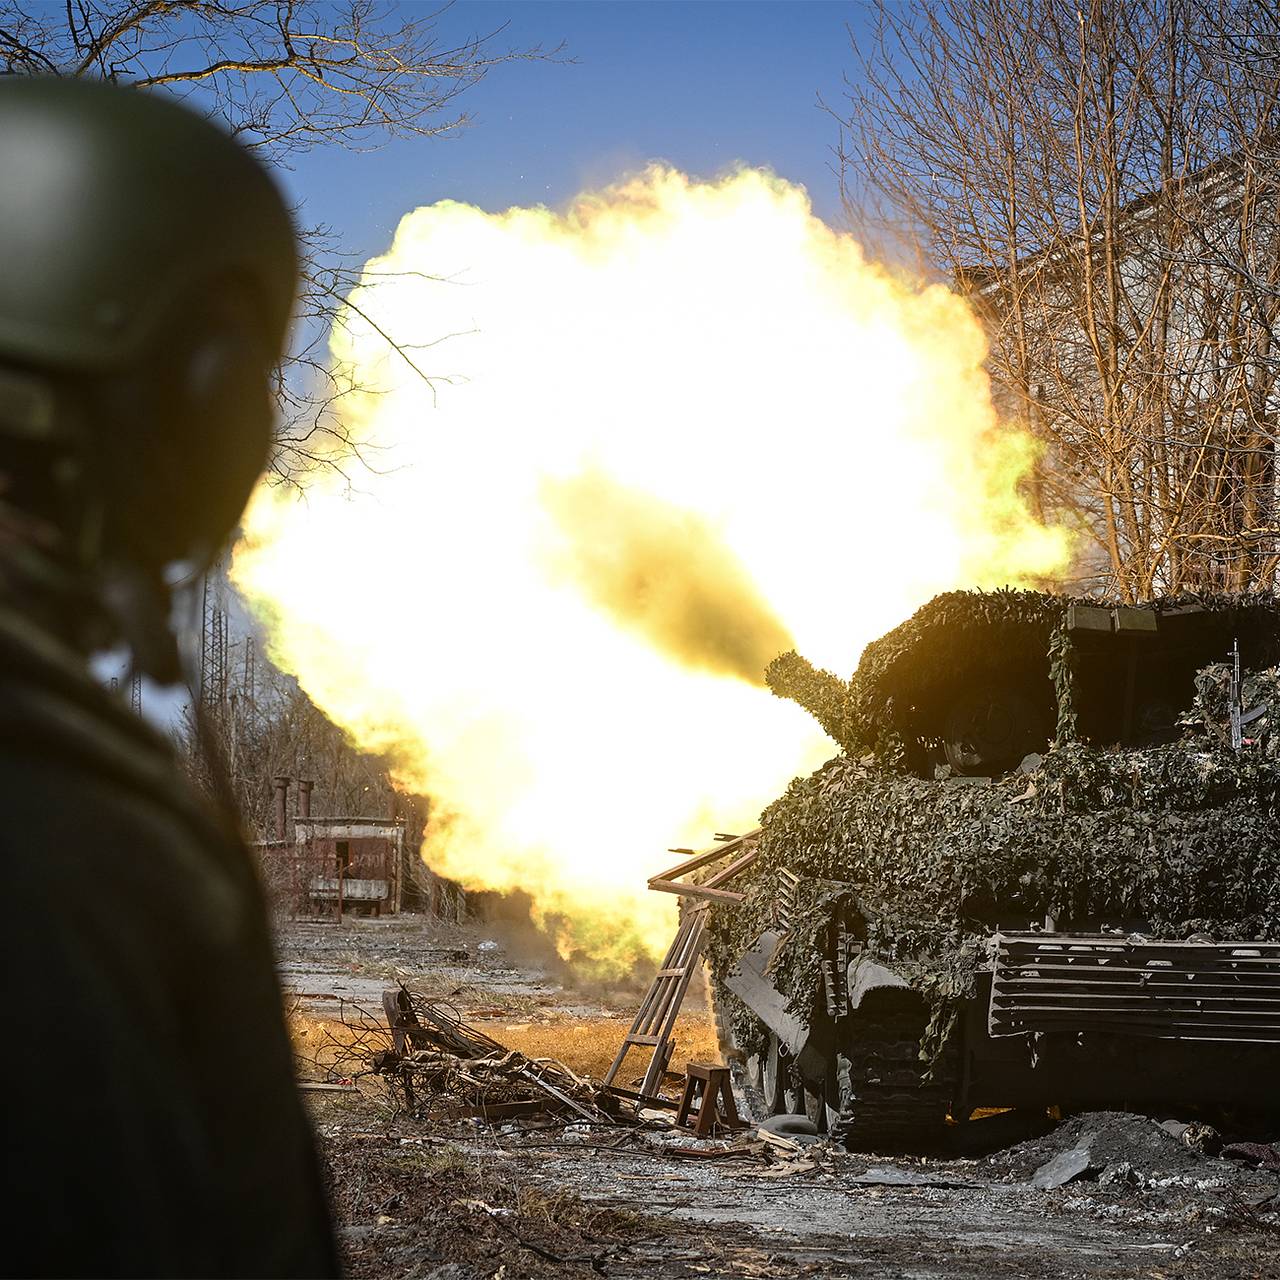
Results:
666 573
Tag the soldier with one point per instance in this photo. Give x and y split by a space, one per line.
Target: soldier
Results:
147 273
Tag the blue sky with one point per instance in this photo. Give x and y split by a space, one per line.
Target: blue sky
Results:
701 85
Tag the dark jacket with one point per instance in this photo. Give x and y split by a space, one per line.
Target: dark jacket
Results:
154 1127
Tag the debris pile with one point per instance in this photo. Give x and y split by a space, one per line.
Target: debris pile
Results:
435 1054
1113 1154
1095 1144
1160 1149
431 1061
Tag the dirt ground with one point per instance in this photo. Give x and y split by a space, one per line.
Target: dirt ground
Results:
455 1199
503 988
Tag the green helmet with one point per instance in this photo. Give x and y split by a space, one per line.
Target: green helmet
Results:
116 208
149 273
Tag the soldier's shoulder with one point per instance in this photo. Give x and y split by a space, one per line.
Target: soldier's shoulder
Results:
50 707
86 785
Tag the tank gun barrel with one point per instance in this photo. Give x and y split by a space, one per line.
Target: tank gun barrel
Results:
823 695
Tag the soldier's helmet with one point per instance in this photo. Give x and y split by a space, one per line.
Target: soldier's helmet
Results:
149 271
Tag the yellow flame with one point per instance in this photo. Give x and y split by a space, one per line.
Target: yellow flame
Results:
682 423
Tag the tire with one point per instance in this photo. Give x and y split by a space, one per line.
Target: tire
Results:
781 1090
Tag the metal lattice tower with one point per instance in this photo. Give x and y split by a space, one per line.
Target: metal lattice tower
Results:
135 693
250 673
213 644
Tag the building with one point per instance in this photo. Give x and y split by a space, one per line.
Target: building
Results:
350 864
1143 356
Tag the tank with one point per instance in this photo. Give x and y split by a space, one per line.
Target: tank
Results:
1044 870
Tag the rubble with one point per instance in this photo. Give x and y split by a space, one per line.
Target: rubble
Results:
1265 1155
439 1188
1122 1163
1066 1167
432 1061
434 1052
1109 1138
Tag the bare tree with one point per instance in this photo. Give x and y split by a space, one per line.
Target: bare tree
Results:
1102 180
265 726
262 726
285 76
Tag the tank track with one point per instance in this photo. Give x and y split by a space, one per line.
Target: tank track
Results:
885 1101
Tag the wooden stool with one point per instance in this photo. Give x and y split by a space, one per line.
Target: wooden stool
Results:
708 1085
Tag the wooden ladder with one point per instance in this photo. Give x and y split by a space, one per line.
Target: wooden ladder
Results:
653 1024
660 1007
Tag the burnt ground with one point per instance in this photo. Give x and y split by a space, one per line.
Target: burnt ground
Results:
454 1199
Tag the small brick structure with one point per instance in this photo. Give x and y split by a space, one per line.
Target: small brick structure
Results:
350 863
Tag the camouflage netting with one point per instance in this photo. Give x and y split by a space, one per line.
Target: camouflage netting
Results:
900 674
1184 836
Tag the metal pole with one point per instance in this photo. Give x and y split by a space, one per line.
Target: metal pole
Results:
1237 729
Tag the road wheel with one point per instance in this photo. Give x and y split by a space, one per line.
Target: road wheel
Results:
778 1080
839 1096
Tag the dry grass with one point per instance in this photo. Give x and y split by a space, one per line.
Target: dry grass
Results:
585 1045
561 1210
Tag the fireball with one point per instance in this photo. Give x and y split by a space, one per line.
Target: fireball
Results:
624 454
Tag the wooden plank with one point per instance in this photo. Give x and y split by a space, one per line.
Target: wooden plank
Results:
701 859
697 891
563 1098
669 881
508 1110
633 1096
732 870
